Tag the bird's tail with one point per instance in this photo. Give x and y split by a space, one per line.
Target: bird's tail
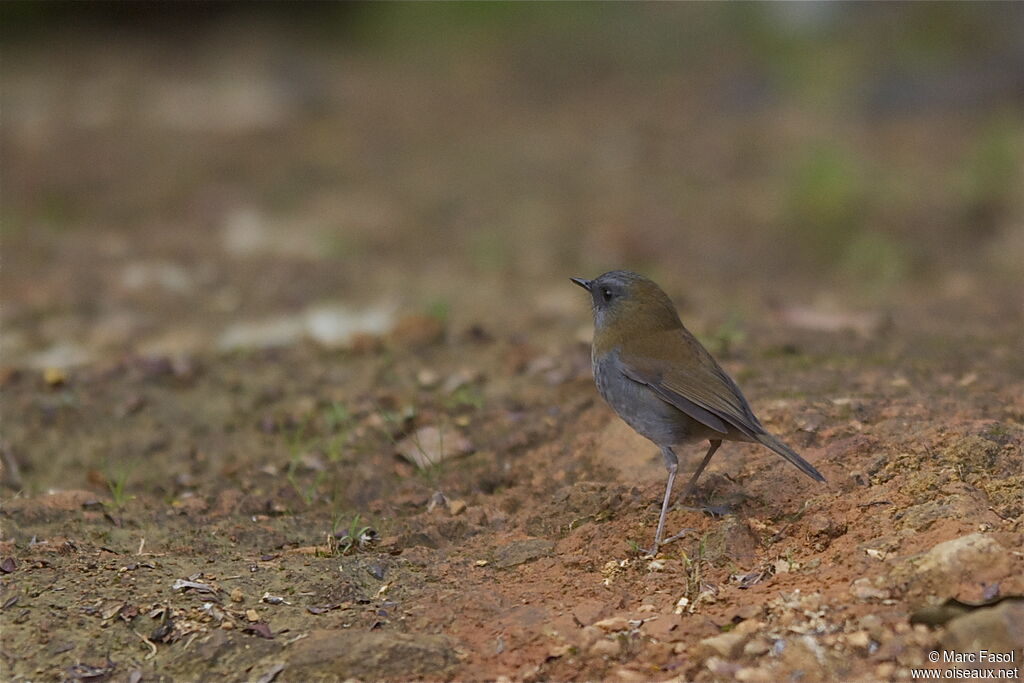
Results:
790 455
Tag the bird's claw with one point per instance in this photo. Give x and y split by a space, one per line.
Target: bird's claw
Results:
653 552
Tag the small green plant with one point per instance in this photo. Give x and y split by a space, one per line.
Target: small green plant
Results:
298 444
439 309
989 177
308 491
117 480
694 568
791 564
825 199
356 537
339 423
726 337
875 261
337 417
466 396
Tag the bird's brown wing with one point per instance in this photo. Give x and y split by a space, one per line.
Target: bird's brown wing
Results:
681 371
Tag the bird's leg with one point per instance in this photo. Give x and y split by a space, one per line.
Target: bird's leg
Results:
671 464
692 484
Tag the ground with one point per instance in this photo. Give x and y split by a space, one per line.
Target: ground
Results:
285 397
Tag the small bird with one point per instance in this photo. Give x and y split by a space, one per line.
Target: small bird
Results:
655 374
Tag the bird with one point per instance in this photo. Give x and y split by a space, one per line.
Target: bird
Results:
664 384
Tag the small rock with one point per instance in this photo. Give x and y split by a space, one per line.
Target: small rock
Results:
755 675
726 645
456 507
431 445
748 627
417 331
261 334
862 589
557 651
427 378
605 648
624 674
336 326
859 639
613 624
236 595
459 379
721 667
866 323
587 612
437 500
588 636
977 558
363 343
58 357
252 615
54 377
663 627
782 566
375 655
756 647
996 629
731 541
520 552
921 517
873 624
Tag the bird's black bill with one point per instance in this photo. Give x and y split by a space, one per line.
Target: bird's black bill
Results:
585 284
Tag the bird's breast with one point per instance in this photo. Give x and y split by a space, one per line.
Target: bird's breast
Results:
639 406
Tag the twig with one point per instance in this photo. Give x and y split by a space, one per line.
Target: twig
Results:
147 641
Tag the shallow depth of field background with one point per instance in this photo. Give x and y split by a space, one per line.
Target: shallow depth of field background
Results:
172 174
274 273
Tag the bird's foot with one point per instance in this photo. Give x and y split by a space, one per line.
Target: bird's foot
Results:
653 552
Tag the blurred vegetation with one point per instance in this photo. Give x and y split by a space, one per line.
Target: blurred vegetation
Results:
869 142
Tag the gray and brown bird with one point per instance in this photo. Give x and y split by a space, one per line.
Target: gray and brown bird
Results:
655 374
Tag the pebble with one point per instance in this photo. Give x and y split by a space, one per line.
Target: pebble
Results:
726 645
754 675
859 639
431 445
605 648
612 624
624 674
417 331
756 647
54 377
862 589
458 379
427 378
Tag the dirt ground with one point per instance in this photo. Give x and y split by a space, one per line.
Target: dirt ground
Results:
298 389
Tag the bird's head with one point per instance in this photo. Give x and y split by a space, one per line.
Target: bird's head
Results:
626 303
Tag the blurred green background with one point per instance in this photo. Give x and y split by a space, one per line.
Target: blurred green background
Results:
169 168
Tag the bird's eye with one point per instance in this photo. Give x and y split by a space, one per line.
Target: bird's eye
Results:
607 294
